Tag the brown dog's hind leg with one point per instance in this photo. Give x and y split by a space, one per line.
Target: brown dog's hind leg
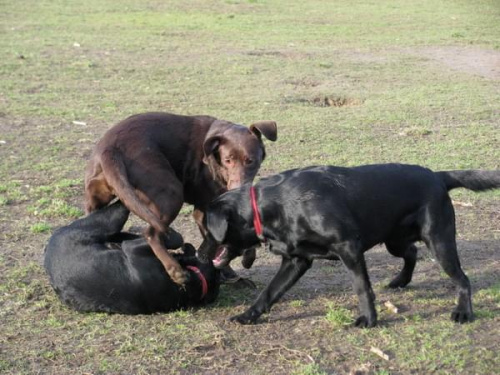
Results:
163 197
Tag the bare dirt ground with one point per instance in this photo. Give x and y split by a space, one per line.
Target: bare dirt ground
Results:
472 60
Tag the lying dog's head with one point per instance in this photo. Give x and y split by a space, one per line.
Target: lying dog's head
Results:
234 153
199 270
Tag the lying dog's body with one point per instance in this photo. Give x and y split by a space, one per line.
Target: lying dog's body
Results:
154 162
324 212
93 266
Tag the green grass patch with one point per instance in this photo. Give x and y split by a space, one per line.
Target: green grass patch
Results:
491 294
40 228
338 316
309 369
48 208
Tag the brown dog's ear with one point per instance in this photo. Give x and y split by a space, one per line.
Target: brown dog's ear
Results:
216 223
268 129
211 144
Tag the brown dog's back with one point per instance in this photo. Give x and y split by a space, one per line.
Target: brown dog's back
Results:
106 175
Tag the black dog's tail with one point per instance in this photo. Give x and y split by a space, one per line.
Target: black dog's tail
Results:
475 180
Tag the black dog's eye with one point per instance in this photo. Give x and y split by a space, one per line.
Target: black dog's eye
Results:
248 161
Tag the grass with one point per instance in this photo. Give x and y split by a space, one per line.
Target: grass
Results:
347 82
40 228
338 316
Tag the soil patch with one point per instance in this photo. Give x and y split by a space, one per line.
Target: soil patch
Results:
472 60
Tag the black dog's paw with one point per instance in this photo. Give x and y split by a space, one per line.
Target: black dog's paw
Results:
398 282
462 316
365 322
229 277
241 283
245 318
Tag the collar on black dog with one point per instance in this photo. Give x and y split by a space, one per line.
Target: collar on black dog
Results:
257 223
204 284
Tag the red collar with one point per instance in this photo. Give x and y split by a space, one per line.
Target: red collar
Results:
256 216
204 284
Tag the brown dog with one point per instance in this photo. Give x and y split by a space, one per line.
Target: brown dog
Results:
154 162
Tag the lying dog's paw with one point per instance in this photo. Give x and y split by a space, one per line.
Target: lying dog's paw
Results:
245 318
462 316
365 322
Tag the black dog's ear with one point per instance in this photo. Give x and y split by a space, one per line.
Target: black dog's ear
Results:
217 223
268 129
210 145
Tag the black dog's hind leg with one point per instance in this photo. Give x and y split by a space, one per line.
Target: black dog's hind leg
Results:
440 238
104 222
290 271
409 254
447 256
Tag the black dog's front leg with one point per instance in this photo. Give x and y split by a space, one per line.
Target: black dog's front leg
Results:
290 271
362 287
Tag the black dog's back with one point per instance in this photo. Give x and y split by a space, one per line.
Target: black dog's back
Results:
93 266
355 199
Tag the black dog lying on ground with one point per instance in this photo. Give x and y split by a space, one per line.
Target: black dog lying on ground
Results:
324 212
93 266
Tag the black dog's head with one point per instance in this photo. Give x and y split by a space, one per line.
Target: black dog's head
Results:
228 220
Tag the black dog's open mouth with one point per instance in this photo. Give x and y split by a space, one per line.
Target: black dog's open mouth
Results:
225 255
221 257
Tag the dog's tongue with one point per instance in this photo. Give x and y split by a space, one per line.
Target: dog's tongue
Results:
220 257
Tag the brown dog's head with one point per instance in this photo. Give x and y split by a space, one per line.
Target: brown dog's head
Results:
234 153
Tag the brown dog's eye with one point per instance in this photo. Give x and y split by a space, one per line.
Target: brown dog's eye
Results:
227 161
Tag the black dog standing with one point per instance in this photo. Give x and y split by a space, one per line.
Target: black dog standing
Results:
93 266
325 212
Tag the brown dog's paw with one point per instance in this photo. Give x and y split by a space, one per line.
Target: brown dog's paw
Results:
178 276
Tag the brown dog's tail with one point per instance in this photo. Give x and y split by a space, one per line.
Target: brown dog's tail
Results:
116 174
475 180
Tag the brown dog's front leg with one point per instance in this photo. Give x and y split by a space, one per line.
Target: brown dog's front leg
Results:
173 268
198 219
